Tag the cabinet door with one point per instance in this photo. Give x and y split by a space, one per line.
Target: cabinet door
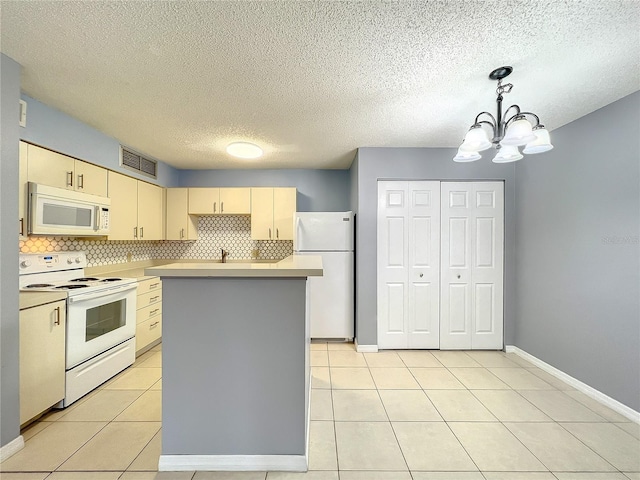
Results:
235 201
177 201
123 213
42 344
262 214
50 168
204 201
23 202
90 178
284 206
150 210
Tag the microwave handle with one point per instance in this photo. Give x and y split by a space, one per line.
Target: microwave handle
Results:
96 218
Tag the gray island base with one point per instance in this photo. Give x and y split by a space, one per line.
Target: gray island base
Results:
235 365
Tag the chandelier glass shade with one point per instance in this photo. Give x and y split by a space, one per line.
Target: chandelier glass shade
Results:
507 133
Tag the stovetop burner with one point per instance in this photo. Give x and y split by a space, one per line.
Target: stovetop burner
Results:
71 287
84 279
114 279
39 285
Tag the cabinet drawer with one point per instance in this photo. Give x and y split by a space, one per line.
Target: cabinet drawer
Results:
148 312
148 285
148 331
154 296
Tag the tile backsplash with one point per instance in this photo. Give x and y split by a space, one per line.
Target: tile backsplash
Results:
233 233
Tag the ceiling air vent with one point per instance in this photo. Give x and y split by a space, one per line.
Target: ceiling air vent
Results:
136 162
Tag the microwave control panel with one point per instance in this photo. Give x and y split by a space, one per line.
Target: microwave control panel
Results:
104 219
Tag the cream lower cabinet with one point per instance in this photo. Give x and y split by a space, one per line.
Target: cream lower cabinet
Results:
51 168
220 201
179 224
136 209
42 362
272 212
149 314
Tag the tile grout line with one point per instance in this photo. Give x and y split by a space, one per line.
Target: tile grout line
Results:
395 435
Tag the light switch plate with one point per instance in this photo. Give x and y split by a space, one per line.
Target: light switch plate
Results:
23 113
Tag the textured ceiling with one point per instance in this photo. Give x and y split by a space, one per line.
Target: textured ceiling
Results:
311 81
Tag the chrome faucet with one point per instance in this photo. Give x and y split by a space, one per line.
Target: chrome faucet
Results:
225 254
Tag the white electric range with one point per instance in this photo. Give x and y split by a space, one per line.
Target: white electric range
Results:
101 317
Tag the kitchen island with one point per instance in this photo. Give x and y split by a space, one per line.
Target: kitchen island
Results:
236 372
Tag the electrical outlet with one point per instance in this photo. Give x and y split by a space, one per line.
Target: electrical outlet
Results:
128 256
255 253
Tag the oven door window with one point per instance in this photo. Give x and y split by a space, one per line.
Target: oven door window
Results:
105 318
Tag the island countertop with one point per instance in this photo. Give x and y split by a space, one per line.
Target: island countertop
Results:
292 266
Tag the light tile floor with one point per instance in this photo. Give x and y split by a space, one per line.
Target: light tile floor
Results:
407 415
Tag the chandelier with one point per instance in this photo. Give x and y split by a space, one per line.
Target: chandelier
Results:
507 135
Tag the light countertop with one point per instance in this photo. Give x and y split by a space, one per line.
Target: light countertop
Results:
292 266
33 299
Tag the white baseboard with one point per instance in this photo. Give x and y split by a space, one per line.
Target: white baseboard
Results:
597 395
365 348
233 463
11 448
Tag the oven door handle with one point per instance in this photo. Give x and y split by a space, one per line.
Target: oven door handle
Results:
103 293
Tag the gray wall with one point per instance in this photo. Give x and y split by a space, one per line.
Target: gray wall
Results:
419 164
58 131
9 137
318 190
578 227
233 366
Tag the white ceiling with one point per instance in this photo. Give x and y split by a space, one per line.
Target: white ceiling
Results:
311 81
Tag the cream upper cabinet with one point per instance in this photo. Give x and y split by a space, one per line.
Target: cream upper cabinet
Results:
261 213
90 179
42 344
23 204
180 225
204 201
235 201
284 207
123 218
57 170
49 168
136 209
225 201
150 203
272 212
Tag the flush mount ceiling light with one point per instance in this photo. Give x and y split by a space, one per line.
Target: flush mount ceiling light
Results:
244 150
507 135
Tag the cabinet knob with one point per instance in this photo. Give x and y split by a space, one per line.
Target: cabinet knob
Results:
421 275
458 276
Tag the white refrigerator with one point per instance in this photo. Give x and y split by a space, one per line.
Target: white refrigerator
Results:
329 235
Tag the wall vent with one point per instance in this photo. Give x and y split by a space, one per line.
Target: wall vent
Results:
136 162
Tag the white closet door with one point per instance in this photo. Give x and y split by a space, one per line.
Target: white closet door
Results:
472 226
488 266
408 264
424 265
393 269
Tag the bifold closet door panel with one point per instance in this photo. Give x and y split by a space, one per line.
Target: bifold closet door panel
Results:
393 272
472 226
408 264
424 265
487 238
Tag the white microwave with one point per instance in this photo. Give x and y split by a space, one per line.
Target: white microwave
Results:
56 211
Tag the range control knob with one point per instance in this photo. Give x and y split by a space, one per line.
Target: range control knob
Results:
78 260
25 263
69 261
